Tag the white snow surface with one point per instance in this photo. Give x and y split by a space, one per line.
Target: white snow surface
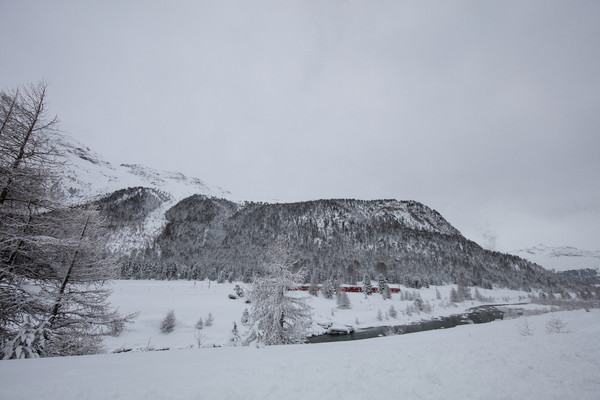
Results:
487 361
561 258
191 300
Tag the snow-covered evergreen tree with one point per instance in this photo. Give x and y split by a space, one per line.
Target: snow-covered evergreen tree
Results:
245 317
385 290
235 335
313 289
328 289
343 301
454 296
278 316
367 286
463 290
209 320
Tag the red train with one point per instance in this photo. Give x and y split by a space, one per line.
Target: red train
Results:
354 289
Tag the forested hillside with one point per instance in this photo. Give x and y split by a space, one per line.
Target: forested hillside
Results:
401 241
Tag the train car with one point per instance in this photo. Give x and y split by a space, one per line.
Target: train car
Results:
351 289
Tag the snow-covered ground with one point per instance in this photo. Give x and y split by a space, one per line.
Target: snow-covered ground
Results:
486 361
192 300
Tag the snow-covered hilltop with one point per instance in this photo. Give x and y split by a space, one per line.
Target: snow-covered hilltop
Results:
560 258
88 177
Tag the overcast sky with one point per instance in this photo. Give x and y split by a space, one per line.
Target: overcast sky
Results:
487 111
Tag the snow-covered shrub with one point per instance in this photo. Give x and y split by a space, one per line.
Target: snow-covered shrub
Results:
116 327
524 328
379 315
420 305
200 338
238 291
168 324
556 325
65 343
245 317
199 324
29 341
392 312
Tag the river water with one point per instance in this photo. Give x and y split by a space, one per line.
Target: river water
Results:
475 315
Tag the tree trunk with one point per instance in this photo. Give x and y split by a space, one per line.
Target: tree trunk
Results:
65 281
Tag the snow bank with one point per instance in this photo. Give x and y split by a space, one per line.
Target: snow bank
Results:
487 361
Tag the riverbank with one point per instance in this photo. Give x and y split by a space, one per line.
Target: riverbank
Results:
484 361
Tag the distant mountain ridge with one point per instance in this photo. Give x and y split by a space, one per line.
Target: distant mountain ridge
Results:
561 258
576 264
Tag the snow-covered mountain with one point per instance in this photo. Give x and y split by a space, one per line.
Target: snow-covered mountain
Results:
88 177
560 258
165 225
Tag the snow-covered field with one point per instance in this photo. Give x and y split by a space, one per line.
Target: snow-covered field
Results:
486 361
194 300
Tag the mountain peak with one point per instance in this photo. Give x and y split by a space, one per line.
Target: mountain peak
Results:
87 177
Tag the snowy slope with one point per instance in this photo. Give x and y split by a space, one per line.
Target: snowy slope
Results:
560 258
87 176
489 361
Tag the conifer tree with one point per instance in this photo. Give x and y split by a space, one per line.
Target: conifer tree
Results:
328 289
235 335
343 301
277 315
245 317
44 245
313 289
367 286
